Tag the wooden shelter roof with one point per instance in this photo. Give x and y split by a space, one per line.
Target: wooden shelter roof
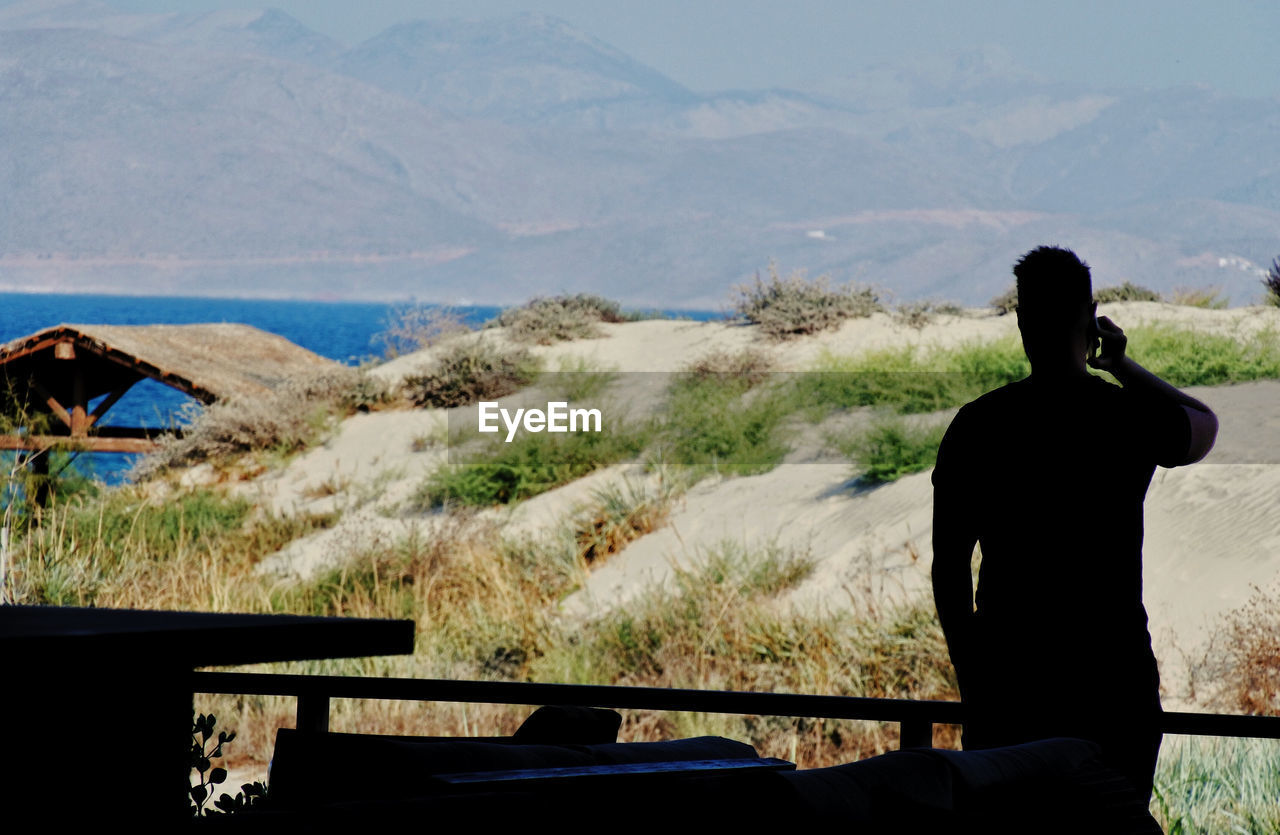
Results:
209 361
61 370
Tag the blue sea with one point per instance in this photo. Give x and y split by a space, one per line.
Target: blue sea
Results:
342 331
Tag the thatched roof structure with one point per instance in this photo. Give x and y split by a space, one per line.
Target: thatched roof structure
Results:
61 369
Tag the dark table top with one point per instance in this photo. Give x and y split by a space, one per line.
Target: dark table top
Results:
194 639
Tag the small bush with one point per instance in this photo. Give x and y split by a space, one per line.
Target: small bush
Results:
891 449
1210 298
545 321
795 306
1006 302
1127 292
413 327
751 366
469 372
917 314
1272 283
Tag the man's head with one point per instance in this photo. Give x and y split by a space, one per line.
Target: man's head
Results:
1055 305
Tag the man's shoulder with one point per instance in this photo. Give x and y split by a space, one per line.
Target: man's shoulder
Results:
1004 397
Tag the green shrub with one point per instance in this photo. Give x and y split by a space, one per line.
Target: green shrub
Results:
794 306
892 448
1186 357
530 464
1127 292
719 424
909 381
467 372
545 321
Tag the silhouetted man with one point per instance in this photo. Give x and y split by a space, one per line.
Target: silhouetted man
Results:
1048 475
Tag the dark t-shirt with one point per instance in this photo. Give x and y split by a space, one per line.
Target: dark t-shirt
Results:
1050 478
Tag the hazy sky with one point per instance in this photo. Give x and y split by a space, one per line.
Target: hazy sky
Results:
1233 46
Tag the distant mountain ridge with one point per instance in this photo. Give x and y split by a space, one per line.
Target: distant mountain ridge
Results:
493 160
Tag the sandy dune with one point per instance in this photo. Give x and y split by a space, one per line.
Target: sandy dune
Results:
1213 530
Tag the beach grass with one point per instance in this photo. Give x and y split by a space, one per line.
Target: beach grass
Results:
1209 784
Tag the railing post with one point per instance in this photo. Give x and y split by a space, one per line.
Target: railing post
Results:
313 712
915 733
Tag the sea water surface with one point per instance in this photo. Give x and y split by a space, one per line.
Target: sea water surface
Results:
343 331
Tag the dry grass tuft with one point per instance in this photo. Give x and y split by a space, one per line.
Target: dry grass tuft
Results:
618 515
291 418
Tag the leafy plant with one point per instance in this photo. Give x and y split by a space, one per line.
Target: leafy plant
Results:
200 760
796 305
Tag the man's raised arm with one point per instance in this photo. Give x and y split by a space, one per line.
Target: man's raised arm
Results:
1113 359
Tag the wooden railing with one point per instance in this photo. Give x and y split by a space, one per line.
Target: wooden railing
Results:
914 718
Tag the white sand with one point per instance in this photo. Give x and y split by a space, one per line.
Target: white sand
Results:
1213 531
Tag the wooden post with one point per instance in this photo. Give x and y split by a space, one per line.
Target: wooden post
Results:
79 405
39 463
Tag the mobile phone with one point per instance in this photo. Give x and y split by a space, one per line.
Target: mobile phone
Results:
1095 339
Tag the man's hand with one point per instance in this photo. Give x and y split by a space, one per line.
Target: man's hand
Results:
1114 342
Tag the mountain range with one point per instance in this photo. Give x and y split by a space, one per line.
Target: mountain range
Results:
243 154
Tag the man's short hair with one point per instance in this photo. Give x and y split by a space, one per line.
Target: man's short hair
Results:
1052 282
